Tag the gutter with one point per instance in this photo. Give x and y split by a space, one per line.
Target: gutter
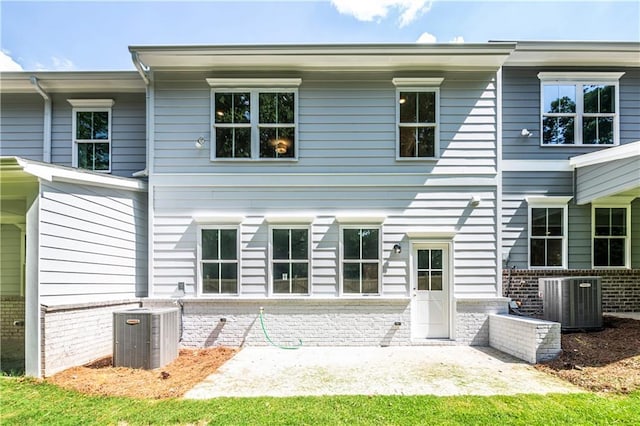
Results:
46 144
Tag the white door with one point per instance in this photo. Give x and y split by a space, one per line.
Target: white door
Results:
430 282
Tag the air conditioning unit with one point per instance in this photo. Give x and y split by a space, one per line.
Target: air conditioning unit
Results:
145 338
574 302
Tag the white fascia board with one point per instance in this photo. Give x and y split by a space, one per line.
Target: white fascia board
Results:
417 82
580 76
72 81
254 82
52 173
542 200
536 166
605 155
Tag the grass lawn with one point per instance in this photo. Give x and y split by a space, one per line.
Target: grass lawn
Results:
27 402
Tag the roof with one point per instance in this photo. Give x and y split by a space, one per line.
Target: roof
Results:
302 57
72 81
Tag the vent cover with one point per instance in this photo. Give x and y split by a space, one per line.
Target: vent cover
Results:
574 302
145 338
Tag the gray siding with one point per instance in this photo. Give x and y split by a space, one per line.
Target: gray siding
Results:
346 124
10 265
92 244
521 109
601 180
128 138
21 125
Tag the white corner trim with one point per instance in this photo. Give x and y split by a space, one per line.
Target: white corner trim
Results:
219 220
430 234
580 76
609 154
254 82
353 219
91 103
417 81
289 220
543 200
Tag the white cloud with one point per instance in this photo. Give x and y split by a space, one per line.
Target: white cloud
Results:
370 10
57 64
457 39
426 38
7 63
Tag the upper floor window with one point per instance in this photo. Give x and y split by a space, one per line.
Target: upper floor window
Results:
548 219
417 117
580 108
218 260
290 260
91 130
253 120
611 236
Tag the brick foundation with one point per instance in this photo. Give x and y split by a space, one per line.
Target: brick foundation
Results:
12 333
620 288
531 340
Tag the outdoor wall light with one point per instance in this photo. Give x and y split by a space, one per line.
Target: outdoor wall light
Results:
200 142
475 200
397 248
526 133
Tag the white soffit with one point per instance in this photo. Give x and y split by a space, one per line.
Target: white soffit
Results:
72 81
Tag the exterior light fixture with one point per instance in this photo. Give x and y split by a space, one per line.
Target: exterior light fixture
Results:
526 133
397 248
475 200
200 142
402 100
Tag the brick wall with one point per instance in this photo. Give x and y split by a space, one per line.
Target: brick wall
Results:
531 340
77 334
11 333
472 319
620 288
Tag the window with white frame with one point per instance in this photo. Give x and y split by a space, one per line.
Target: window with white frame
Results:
290 260
417 117
611 236
360 260
91 130
580 108
257 121
218 260
548 223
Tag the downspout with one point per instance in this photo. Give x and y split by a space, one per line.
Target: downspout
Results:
46 144
143 74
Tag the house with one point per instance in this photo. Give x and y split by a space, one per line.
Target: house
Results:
356 194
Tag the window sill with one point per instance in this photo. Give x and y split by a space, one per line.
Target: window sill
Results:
254 160
308 298
418 159
578 145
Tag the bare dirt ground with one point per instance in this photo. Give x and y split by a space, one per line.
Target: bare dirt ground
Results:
601 361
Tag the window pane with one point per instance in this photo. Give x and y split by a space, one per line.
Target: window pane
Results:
537 252
351 242
426 141
101 125
224 142
616 252
84 125
299 244
300 278
599 99
602 219
277 142
228 244
209 244
369 244
408 137
558 130
423 259
351 279
559 99
601 252
369 277
229 275
281 244
554 252
408 101
281 277
618 222
85 156
224 107
597 130
436 281
436 259
101 156
286 107
426 107
241 107
554 222
268 107
242 138
423 280
210 281
538 222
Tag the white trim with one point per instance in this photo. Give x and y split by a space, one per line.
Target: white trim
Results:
571 76
270 277
542 202
417 81
627 237
294 220
547 200
341 260
218 220
536 166
199 262
604 155
254 82
91 103
499 183
435 125
365 220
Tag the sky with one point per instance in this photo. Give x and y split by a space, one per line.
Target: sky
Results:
95 35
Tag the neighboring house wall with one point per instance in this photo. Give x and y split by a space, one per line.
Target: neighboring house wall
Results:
21 125
93 243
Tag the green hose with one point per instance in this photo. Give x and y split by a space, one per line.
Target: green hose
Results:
266 335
